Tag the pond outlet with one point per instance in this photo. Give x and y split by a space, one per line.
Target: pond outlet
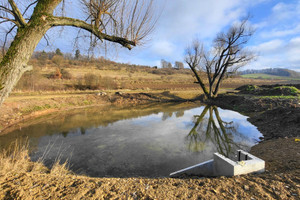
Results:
223 166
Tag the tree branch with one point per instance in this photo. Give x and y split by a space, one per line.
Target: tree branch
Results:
29 6
65 21
6 10
8 20
17 14
5 39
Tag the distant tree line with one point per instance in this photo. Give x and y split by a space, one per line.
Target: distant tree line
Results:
68 56
167 65
272 71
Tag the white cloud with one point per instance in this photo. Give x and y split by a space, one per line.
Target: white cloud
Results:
284 11
163 48
272 46
294 51
281 32
278 53
184 19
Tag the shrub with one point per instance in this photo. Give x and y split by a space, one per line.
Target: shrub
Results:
108 83
66 74
34 81
91 81
58 60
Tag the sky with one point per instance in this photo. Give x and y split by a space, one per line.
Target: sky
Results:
276 40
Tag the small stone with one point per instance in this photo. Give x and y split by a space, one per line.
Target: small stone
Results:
213 191
101 94
246 187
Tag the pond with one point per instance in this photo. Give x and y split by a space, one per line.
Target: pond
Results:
142 141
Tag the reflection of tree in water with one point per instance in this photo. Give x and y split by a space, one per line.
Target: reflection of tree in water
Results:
212 129
81 130
179 113
166 115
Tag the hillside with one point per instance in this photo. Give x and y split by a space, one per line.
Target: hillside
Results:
274 72
52 72
270 77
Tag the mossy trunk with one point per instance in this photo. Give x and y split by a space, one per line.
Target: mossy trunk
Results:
14 63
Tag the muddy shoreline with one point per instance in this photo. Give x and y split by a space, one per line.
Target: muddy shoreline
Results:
274 118
12 114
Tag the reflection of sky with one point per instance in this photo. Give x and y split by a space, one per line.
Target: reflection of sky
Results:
183 124
158 141
245 128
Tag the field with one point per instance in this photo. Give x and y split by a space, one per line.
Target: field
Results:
269 77
52 75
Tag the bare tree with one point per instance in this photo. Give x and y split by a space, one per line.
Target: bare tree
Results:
163 63
227 55
178 65
124 22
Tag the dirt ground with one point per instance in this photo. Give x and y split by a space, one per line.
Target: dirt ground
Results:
280 181
277 120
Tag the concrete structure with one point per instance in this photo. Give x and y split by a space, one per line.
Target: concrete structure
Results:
222 166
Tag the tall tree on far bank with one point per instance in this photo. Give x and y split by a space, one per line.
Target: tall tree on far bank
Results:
77 54
124 22
227 54
58 52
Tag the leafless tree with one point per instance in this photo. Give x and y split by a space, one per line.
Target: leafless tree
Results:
178 65
124 22
227 55
164 63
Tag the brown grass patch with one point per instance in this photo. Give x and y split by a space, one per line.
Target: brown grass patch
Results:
16 159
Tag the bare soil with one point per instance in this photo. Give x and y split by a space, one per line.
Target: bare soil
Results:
278 120
280 181
274 117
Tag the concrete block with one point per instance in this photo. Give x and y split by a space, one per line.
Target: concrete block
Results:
223 166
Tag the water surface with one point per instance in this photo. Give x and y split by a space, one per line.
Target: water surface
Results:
148 141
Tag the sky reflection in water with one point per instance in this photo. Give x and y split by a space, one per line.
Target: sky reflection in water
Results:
151 142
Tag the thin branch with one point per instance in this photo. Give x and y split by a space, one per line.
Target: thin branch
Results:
6 36
18 15
46 37
8 20
29 6
6 10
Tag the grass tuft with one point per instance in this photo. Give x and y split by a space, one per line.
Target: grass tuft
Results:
16 159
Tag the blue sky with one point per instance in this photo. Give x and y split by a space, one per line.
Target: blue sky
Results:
276 40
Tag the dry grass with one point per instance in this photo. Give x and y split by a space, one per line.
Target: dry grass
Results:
102 74
16 159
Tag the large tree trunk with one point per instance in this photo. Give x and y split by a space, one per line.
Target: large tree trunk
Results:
14 62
